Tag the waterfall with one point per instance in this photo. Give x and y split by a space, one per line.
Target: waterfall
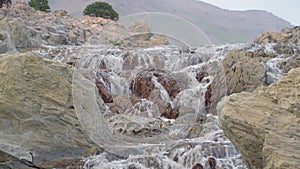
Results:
136 136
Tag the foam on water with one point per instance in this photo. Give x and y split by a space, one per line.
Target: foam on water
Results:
193 137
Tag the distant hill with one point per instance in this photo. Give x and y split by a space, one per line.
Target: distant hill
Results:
220 25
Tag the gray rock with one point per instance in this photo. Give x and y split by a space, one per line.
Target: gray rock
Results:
36 109
57 39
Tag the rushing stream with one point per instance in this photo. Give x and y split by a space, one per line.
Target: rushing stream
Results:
137 136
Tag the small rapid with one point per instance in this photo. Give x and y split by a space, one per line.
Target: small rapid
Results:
129 127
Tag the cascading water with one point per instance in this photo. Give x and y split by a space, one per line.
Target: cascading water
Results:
139 137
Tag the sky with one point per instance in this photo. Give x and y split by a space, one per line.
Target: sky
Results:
286 9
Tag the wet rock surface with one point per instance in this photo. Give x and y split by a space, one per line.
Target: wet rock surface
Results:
264 124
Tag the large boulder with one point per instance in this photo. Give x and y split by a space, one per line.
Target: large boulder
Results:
139 35
138 26
14 35
36 109
265 124
244 71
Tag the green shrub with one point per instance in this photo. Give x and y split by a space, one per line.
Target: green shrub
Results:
101 9
41 5
115 43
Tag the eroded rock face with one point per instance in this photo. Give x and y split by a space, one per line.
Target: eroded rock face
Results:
288 35
264 125
36 109
244 71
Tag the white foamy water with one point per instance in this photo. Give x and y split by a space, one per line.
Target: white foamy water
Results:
141 139
192 138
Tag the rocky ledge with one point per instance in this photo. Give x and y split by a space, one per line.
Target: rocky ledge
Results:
23 28
265 124
288 35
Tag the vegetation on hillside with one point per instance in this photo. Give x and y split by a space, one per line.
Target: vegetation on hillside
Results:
41 5
101 9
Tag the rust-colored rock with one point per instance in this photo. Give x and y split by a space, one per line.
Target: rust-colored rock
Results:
103 85
150 84
208 95
197 166
212 163
142 85
169 83
168 112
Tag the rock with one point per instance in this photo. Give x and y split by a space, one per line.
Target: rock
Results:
123 103
37 110
31 28
135 126
142 86
138 27
212 162
144 83
14 35
168 82
109 34
104 89
158 40
57 39
139 35
265 124
243 71
4 47
132 166
167 111
201 75
207 97
197 166
159 87
144 40
60 13
288 35
291 62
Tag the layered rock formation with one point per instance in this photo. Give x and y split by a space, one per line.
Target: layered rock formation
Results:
287 35
264 125
37 111
244 71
